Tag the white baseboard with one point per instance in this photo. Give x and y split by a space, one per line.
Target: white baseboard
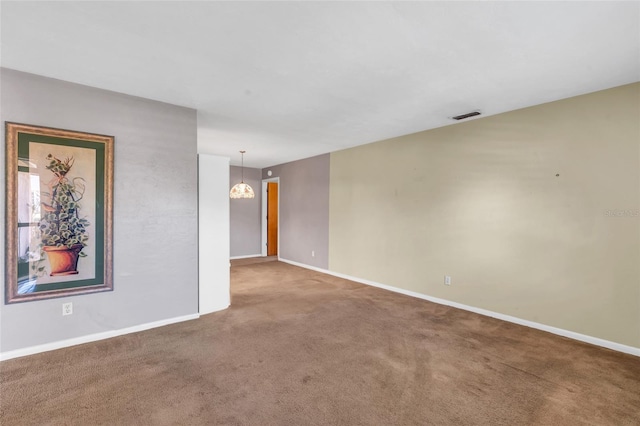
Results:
92 337
246 257
554 330
216 308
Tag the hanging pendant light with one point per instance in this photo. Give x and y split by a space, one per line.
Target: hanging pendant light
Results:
241 190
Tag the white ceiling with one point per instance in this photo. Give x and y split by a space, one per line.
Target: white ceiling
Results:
289 80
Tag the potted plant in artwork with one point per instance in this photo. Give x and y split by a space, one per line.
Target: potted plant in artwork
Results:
63 232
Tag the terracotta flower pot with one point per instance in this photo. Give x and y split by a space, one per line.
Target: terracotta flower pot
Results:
63 260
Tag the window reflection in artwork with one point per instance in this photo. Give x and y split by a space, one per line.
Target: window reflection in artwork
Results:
29 250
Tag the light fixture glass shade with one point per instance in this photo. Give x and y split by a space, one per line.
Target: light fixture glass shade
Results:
241 190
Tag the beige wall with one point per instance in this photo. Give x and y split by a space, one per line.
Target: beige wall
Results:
480 201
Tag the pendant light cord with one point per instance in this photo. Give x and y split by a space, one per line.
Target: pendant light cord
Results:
242 168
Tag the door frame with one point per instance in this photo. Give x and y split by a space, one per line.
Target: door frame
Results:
264 214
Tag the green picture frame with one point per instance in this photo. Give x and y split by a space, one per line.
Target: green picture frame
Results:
59 213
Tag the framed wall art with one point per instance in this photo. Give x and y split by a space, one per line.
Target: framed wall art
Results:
59 219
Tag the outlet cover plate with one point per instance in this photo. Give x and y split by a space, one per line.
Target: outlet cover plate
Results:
67 308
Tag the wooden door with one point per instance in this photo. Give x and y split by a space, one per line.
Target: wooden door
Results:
272 218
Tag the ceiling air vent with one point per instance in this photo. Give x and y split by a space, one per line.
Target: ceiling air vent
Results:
467 115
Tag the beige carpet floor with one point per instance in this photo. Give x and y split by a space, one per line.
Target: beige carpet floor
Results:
302 348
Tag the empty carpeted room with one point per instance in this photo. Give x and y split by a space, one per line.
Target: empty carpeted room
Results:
320 213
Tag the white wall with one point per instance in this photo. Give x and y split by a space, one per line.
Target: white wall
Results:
213 220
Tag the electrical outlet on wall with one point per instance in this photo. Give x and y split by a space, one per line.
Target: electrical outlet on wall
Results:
313 253
447 280
67 308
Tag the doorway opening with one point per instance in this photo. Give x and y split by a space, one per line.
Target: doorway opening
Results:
270 216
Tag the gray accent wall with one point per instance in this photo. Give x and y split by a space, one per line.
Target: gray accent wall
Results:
245 214
155 238
304 210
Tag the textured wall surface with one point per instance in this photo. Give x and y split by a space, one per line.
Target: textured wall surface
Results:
304 210
245 214
155 209
533 213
